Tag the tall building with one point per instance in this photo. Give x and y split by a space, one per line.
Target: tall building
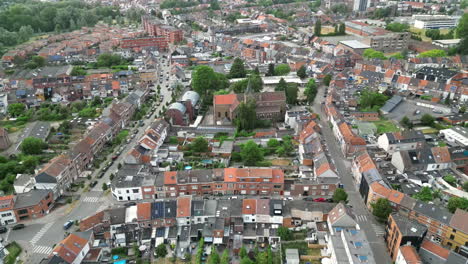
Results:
361 5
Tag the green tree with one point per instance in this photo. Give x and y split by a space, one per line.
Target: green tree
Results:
78 71
271 70
291 93
161 251
242 252
406 122
251 153
433 34
382 209
371 101
462 32
246 260
273 143
282 85
327 79
301 73
32 146
311 90
108 60
397 27
237 69
465 186
16 109
30 163
200 144
340 195
281 151
450 179
214 256
427 120
425 194
462 109
373 54
247 116
433 53
205 81
318 28
284 233
282 69
225 257
457 202
104 186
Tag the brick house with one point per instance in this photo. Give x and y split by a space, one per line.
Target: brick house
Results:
33 204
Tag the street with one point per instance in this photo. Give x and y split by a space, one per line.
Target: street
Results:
373 230
40 235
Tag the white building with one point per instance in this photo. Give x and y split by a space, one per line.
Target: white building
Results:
407 255
435 21
7 215
458 135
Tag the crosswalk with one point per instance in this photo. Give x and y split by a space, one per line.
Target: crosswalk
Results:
361 218
41 232
43 250
379 230
90 199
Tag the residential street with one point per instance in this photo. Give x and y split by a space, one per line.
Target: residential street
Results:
39 235
373 230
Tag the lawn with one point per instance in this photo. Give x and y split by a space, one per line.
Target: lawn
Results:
385 126
14 250
422 33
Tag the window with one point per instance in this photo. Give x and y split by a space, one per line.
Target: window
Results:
136 190
194 187
452 237
23 211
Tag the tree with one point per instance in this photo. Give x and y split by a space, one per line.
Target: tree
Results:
450 179
282 69
282 85
273 143
251 153
16 109
301 73
425 194
247 116
318 28
161 251
108 60
291 93
342 29
397 27
32 146
214 256
433 34
433 53
104 186
406 122
246 260
465 186
271 70
284 233
382 209
462 109
427 120
204 80
371 101
327 79
225 257
30 163
36 62
237 69
340 195
200 144
457 202
373 54
281 151
311 90
242 252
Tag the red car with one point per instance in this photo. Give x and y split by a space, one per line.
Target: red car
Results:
320 200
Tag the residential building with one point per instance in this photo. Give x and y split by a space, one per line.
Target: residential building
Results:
377 191
33 204
435 218
57 176
408 255
361 5
7 214
4 139
73 249
160 43
402 232
423 159
433 253
390 42
405 140
457 233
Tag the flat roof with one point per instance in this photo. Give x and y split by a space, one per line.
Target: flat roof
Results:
355 44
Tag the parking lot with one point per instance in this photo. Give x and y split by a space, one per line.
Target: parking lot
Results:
408 108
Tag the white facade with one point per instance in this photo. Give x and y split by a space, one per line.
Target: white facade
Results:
457 135
7 217
79 258
435 21
127 194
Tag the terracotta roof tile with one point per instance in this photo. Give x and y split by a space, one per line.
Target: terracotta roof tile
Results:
143 211
435 249
225 99
249 206
410 254
184 205
69 248
459 220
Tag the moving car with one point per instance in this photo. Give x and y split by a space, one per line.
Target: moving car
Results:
68 224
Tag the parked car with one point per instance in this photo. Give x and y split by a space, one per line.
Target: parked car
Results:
320 200
310 199
68 224
115 157
129 204
18 226
3 229
93 183
101 174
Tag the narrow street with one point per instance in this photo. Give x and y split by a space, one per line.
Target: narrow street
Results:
373 230
39 235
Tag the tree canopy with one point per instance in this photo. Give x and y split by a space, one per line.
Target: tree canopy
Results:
161 251
301 73
311 90
397 27
432 53
251 153
237 69
247 116
425 194
16 109
457 202
32 146
291 93
370 101
108 60
318 28
284 233
382 209
427 120
205 80
282 69
327 79
200 144
340 195
282 85
373 54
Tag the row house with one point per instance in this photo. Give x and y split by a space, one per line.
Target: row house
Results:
424 159
349 141
57 175
7 214
400 141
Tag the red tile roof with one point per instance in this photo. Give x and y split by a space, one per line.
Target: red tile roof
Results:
69 248
435 249
184 206
249 206
225 99
144 211
410 255
170 177
7 202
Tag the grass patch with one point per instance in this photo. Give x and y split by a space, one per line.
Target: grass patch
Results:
14 250
385 126
430 131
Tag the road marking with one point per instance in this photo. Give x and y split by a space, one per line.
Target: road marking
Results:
91 199
379 231
43 250
362 218
41 233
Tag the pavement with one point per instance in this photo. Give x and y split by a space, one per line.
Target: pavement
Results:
40 235
374 230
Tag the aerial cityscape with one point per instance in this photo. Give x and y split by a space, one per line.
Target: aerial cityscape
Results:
233 131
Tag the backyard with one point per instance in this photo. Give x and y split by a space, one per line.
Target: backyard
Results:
14 250
385 126
303 250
